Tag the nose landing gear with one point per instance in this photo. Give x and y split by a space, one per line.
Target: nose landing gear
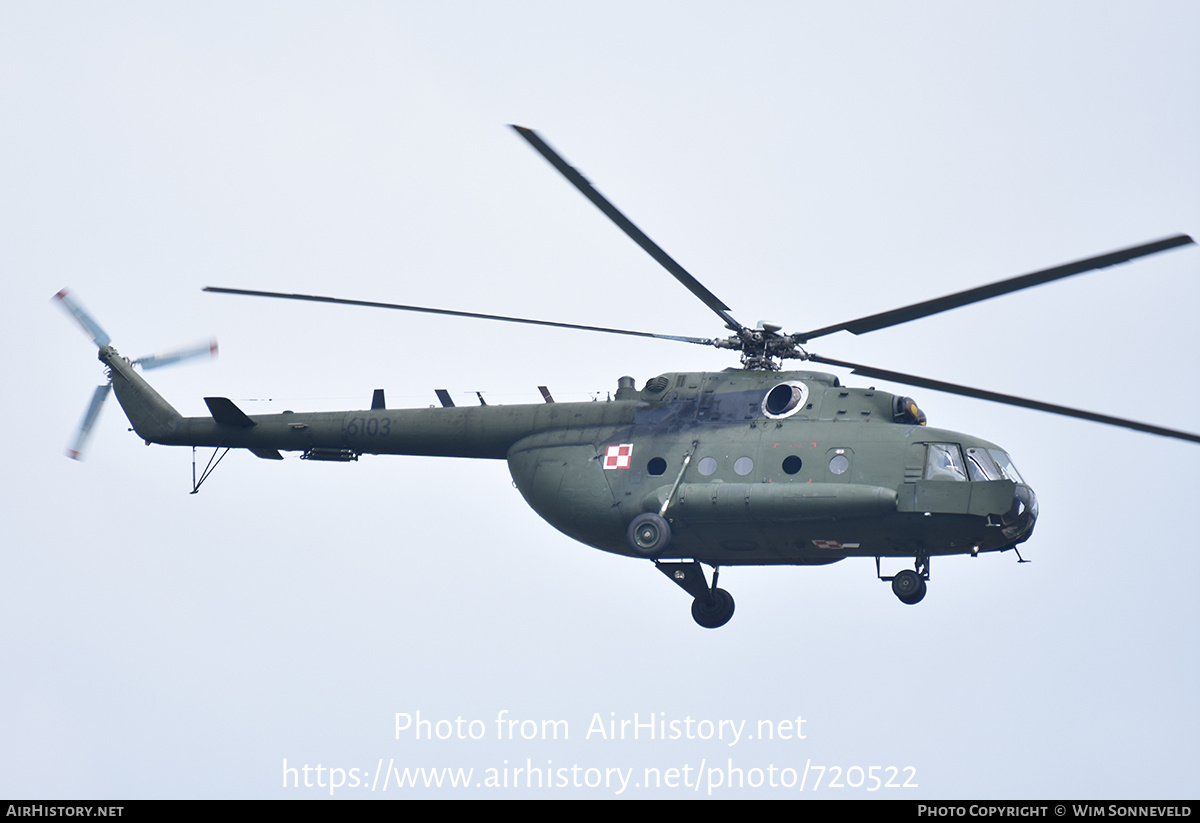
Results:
909 586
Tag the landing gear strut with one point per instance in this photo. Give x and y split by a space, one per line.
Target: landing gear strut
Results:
909 586
712 607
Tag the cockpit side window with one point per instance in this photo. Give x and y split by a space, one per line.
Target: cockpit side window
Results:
944 461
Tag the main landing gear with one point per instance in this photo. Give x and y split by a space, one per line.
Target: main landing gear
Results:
909 586
712 607
649 535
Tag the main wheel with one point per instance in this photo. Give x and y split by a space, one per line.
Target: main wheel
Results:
909 587
716 615
649 535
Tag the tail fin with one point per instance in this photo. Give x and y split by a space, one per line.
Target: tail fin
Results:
153 418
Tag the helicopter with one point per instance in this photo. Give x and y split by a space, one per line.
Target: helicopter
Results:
749 466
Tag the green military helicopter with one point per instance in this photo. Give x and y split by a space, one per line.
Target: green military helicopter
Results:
746 466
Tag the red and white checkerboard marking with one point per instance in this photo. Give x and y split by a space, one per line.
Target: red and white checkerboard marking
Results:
619 456
834 545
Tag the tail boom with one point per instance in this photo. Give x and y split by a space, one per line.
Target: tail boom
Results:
477 431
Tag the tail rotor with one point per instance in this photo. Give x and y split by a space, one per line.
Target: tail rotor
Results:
98 336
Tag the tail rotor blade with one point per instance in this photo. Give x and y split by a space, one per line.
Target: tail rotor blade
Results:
168 358
89 418
90 327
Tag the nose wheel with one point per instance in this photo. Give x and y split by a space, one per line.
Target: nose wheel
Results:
909 586
712 607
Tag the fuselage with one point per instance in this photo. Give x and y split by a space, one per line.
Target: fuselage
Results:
748 467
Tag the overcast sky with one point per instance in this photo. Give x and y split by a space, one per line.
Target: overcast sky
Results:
809 163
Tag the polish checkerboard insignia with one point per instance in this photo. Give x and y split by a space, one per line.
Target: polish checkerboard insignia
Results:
618 456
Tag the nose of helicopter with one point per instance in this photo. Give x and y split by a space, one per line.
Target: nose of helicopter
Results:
1019 520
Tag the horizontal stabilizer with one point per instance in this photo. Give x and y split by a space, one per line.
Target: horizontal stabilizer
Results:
224 411
267 454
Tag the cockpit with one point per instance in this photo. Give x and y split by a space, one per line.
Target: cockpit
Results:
954 463
944 461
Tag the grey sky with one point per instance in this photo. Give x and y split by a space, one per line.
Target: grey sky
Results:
807 162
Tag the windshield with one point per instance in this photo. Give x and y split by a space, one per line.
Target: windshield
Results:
944 461
1006 466
981 466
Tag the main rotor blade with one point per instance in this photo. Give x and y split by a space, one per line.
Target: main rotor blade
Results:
89 418
1008 399
953 301
313 298
90 327
637 235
